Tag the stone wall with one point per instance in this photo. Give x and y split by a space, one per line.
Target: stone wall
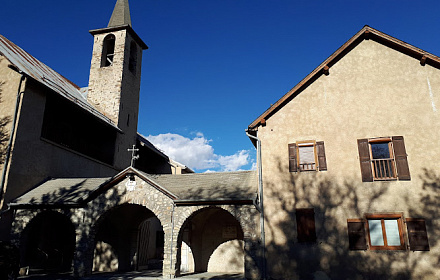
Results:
88 219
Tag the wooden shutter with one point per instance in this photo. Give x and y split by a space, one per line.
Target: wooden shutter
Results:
364 158
322 163
293 163
305 223
357 238
417 235
401 158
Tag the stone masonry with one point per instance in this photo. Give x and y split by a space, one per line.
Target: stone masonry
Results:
86 221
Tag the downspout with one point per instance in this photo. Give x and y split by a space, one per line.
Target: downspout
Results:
11 137
260 204
171 245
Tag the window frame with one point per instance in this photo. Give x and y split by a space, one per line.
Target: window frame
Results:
382 217
400 166
306 143
320 161
392 157
412 232
108 50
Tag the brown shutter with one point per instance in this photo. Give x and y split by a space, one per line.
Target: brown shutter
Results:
305 223
293 166
417 235
364 158
357 238
401 158
322 163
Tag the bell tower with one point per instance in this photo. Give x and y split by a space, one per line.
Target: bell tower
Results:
115 77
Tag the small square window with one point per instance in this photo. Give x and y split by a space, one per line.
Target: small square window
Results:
307 156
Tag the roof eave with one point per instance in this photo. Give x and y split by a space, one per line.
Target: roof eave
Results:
221 201
44 205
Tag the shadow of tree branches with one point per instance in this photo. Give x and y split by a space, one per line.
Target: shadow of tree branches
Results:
334 202
82 218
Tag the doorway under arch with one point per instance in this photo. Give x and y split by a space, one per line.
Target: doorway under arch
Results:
128 237
215 239
48 243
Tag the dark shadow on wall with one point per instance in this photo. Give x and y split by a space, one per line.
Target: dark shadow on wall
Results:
333 203
42 245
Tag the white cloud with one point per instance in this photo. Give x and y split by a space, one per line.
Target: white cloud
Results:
234 162
254 165
197 152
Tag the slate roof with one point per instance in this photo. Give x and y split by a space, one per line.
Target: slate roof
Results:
61 191
184 189
366 33
121 14
45 75
240 185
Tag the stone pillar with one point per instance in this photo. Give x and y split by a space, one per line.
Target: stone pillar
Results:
84 245
253 257
170 252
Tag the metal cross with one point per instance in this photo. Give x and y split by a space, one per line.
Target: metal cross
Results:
133 154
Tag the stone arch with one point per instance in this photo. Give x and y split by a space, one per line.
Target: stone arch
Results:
89 219
119 227
234 210
205 229
108 50
48 242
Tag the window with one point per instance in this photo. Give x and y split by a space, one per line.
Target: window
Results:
387 232
307 156
383 159
108 50
305 224
133 58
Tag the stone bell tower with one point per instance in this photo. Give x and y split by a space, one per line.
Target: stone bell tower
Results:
115 77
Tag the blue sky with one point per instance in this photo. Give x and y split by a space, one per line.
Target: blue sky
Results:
213 66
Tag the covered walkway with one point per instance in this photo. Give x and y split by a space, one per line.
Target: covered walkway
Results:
137 275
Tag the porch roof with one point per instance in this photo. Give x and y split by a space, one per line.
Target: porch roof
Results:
240 186
60 191
195 187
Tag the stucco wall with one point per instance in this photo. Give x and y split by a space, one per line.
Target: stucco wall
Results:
373 91
9 83
34 159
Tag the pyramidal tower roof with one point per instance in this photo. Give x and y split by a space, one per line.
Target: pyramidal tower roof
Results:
120 15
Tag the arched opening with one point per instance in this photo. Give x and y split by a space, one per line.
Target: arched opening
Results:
108 50
215 239
129 237
48 243
132 62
